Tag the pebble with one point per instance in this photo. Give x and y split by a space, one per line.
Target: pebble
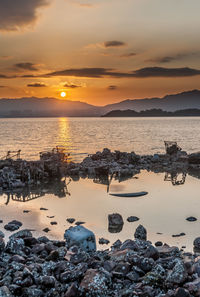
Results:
132 219
70 220
46 230
191 219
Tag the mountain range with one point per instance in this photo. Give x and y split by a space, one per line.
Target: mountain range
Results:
32 106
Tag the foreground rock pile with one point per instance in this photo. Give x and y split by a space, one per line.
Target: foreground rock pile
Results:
37 267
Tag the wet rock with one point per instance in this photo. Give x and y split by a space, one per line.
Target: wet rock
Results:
103 241
2 244
4 292
46 230
191 219
81 237
178 273
115 223
158 243
196 243
13 225
132 219
53 223
70 220
79 223
22 234
94 283
140 233
180 292
43 208
179 235
2 235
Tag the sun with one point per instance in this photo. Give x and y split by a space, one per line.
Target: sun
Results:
63 94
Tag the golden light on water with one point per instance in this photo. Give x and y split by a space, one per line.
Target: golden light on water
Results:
63 94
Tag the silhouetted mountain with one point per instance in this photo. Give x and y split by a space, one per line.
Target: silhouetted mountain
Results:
41 107
27 107
185 100
153 113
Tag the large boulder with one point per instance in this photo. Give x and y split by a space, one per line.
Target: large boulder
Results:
82 237
115 223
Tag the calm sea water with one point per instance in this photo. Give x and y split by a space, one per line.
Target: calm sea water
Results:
87 135
164 210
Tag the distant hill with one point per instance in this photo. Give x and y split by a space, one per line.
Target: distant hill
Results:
30 107
153 113
185 100
52 107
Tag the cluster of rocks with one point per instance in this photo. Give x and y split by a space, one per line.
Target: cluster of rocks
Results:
124 164
36 267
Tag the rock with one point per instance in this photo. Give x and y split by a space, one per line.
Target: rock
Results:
82 237
2 244
22 234
43 208
132 219
70 220
167 251
191 219
141 233
53 223
79 223
4 292
194 158
26 211
94 283
178 273
180 292
46 230
47 281
50 217
158 243
196 243
151 252
179 235
2 235
103 241
115 223
72 291
11 227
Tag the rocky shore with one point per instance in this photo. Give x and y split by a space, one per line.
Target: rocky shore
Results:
36 267
102 166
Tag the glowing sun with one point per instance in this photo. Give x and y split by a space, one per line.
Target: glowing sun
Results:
63 94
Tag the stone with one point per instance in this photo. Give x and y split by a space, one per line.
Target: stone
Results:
115 223
47 281
196 243
72 291
4 292
2 244
2 235
132 219
191 219
178 273
180 292
46 230
140 233
158 243
70 220
82 237
79 223
43 208
103 241
22 234
94 283
194 158
53 223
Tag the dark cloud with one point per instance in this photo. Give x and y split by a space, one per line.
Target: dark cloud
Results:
128 55
139 73
28 76
3 76
171 58
26 66
71 86
15 14
114 43
36 85
112 88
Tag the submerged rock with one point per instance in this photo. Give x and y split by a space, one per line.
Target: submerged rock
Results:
82 237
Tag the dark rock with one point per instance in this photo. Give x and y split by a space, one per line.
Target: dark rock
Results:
2 235
103 241
115 223
180 292
152 252
53 223
191 219
2 244
158 243
22 234
132 219
79 223
70 220
30 241
178 274
46 230
50 217
72 291
196 243
11 227
26 211
1 221
141 233
179 235
43 208
4 292
94 283
47 281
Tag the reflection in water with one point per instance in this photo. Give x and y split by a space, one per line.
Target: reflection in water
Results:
64 137
176 178
58 189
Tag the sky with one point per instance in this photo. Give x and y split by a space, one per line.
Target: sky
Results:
98 51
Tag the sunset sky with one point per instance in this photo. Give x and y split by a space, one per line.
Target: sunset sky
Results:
98 51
